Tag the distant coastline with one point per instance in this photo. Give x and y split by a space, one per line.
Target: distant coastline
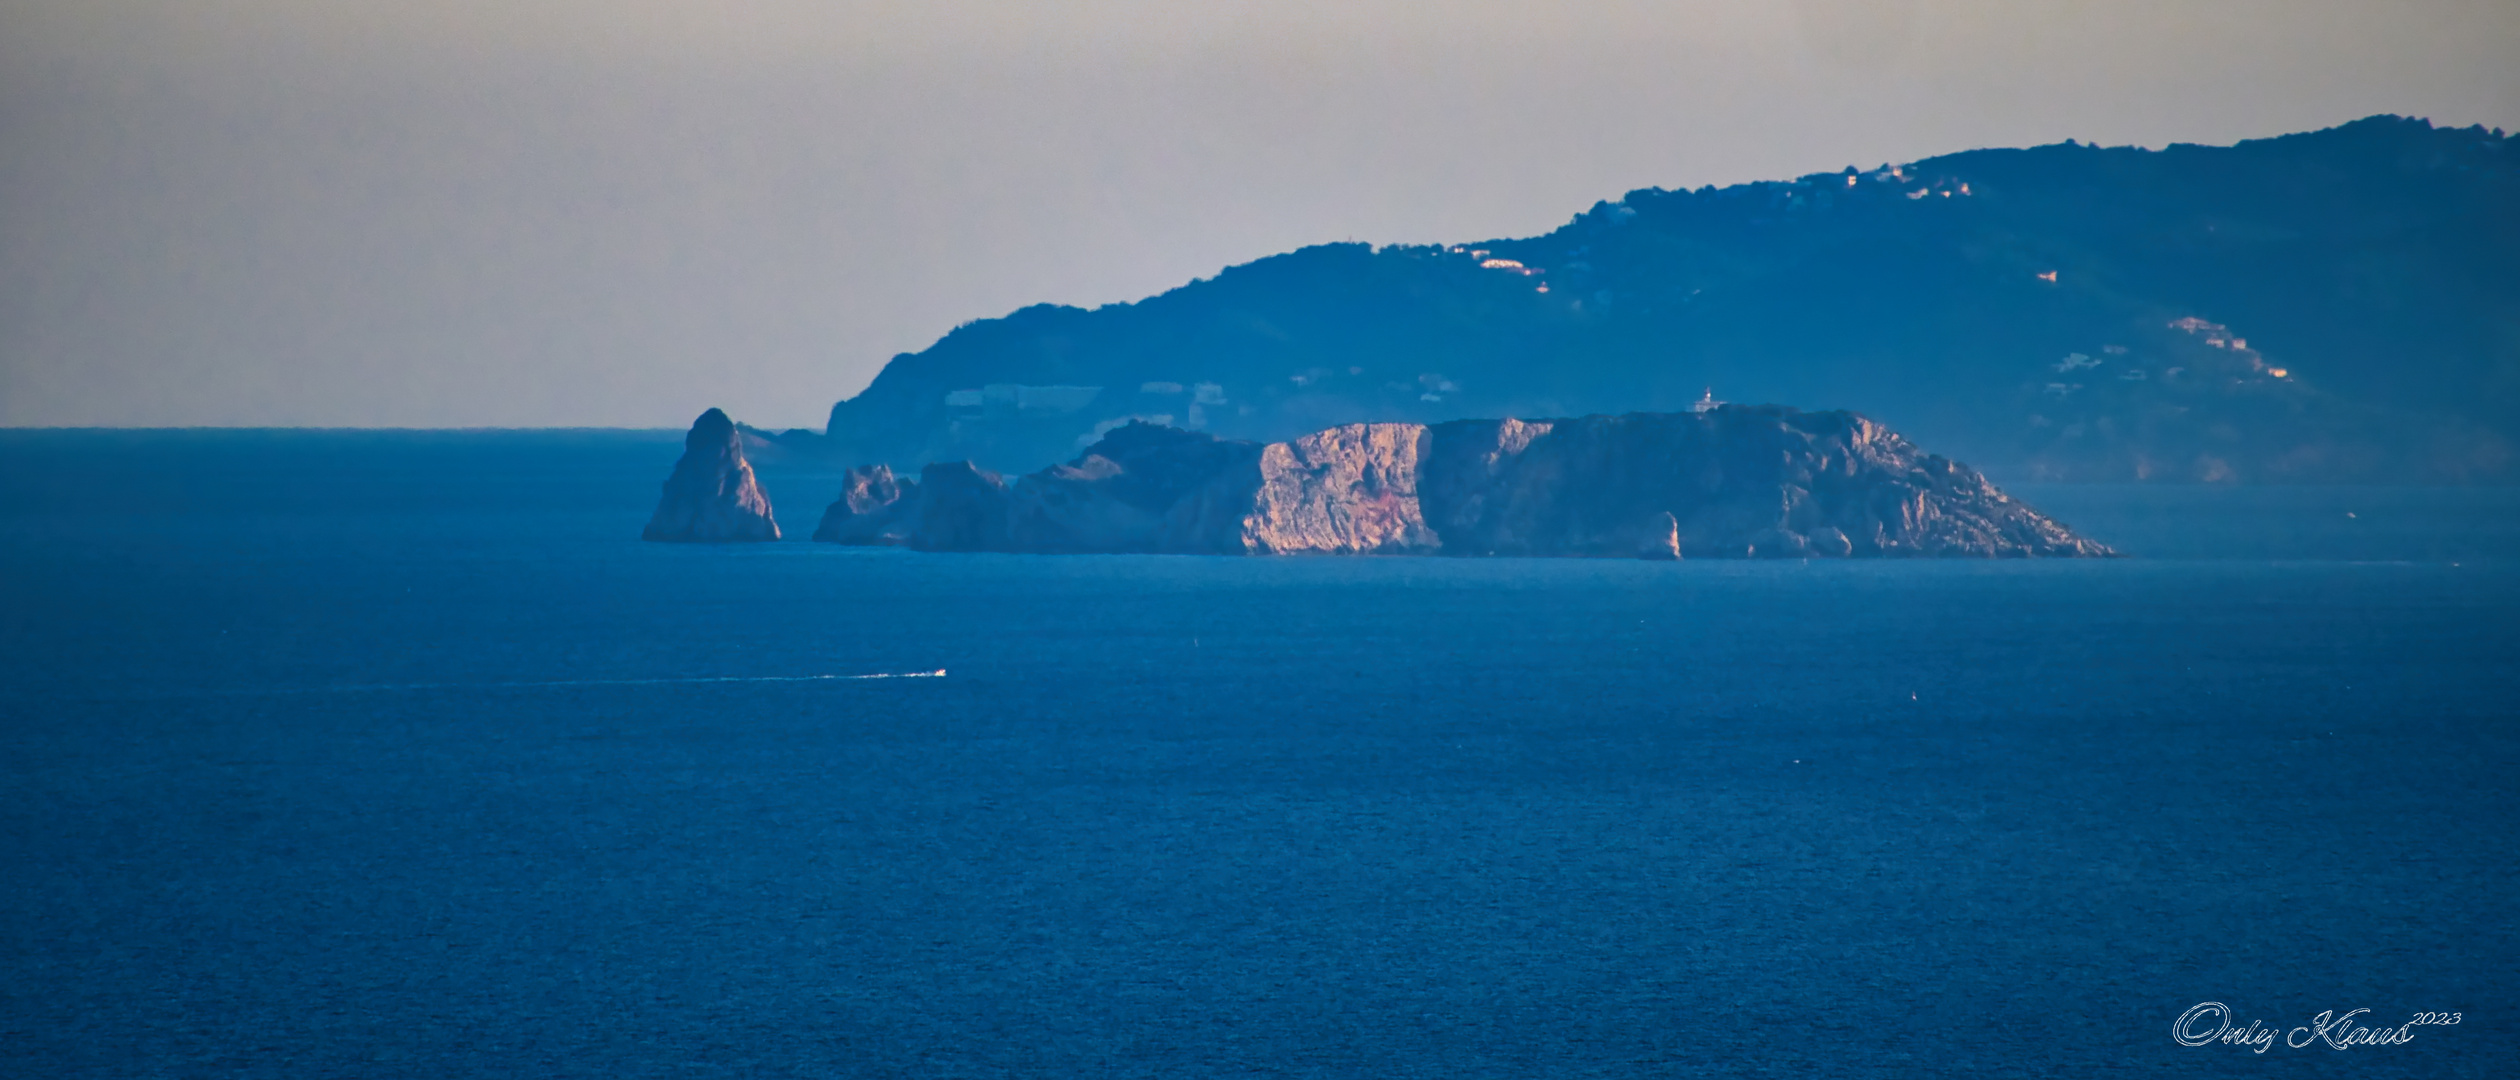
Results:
2069 312
1724 481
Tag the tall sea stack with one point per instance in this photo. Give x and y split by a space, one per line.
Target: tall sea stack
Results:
712 496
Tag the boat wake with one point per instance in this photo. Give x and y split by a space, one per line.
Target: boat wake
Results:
554 683
550 684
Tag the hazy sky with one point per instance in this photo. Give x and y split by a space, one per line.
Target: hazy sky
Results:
619 212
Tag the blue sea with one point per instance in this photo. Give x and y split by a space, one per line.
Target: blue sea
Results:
396 754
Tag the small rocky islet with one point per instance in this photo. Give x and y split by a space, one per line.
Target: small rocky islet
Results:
712 495
1731 481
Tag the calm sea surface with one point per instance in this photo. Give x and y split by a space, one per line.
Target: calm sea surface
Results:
388 755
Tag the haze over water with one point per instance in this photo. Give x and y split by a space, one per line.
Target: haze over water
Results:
288 800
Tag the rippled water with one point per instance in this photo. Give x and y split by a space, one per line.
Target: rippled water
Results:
344 754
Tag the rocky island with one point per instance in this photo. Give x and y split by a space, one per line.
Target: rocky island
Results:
1723 482
712 496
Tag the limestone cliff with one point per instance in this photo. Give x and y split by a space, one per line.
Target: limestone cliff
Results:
1728 482
712 495
1347 491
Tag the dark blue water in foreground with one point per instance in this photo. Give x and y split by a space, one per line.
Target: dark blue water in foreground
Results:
280 799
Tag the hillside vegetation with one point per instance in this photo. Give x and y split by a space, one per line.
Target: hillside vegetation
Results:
2337 306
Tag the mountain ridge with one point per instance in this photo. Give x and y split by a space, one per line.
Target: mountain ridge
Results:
2339 305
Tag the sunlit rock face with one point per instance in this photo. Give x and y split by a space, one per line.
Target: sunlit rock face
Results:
1347 491
1661 541
712 496
1726 482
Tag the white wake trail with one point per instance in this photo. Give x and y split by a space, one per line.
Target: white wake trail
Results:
375 688
936 674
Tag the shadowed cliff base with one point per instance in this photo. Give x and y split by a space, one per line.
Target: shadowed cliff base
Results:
1725 482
